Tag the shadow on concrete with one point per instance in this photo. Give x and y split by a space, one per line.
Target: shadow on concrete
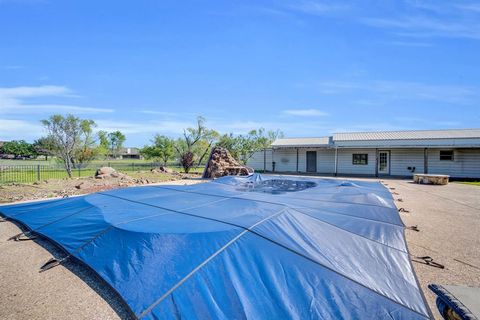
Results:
85 273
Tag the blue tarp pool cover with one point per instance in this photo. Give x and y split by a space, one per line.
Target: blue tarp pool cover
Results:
241 247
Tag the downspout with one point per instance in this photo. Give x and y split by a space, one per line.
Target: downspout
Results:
425 161
264 160
273 160
336 161
376 163
297 160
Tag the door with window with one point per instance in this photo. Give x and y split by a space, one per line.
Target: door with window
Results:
311 161
384 162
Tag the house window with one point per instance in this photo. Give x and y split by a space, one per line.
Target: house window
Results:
360 158
446 155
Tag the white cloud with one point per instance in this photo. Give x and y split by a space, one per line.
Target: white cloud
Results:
169 127
13 101
409 43
475 7
65 108
403 90
158 113
23 92
410 18
11 129
318 7
421 26
305 112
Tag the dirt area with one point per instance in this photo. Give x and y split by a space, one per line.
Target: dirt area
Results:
67 187
69 291
448 218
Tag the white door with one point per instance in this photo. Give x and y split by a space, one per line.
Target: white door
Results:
384 162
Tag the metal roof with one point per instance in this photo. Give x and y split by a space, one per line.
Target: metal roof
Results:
302 142
408 135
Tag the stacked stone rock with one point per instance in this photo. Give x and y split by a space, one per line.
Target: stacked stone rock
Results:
221 164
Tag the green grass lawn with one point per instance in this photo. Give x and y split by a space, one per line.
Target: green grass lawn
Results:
28 171
94 163
473 183
55 161
29 175
192 170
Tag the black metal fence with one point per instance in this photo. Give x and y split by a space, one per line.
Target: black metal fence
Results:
32 173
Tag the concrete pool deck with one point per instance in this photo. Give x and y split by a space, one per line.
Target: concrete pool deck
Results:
448 218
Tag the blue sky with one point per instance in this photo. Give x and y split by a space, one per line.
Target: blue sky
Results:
308 68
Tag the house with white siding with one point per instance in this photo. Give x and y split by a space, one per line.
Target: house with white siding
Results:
385 153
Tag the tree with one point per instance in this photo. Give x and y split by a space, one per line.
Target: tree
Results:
45 146
191 137
256 140
265 138
186 161
203 146
115 142
103 146
19 148
86 150
68 133
242 147
162 149
231 143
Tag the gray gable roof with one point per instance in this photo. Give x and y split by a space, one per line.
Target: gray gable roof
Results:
411 138
302 142
408 135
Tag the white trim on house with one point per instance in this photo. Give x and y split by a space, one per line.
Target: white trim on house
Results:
409 152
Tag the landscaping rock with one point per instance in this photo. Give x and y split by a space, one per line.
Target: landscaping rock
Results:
108 172
438 179
83 185
161 169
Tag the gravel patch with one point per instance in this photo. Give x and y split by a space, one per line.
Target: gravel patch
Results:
448 218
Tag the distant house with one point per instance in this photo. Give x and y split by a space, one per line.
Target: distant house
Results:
4 155
385 153
129 153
